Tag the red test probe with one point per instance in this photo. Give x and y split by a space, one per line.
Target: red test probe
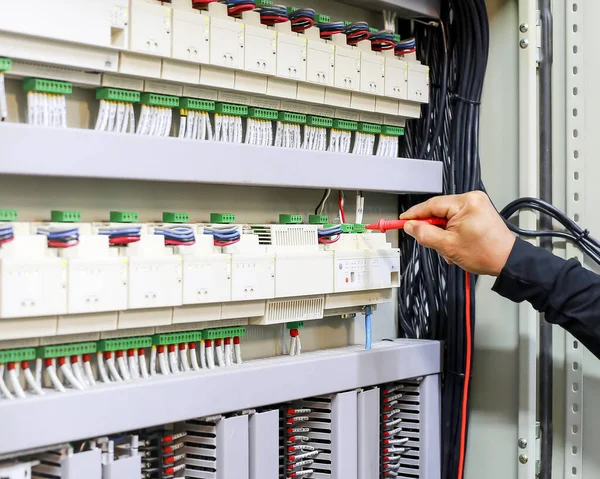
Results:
385 225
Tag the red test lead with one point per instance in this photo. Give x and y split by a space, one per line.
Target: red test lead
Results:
385 225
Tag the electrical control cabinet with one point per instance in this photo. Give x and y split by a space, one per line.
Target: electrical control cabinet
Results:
396 78
291 56
228 50
347 68
418 82
260 50
372 73
151 28
191 36
320 66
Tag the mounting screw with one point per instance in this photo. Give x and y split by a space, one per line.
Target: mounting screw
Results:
522 443
524 28
523 459
524 43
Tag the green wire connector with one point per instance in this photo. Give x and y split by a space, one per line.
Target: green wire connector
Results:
318 219
373 30
345 125
123 217
290 219
16 355
153 99
223 333
176 338
289 9
369 128
197 104
5 64
320 18
222 218
62 350
397 37
42 85
289 117
359 228
263 114
392 130
319 121
346 227
295 325
114 94
8 215
57 216
264 3
231 109
169 217
122 344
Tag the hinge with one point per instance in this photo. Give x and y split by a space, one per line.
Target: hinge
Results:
538 36
538 448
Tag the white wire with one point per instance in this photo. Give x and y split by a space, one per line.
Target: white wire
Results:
201 126
68 373
151 125
30 102
183 359
112 115
228 355
279 134
126 117
169 122
162 363
204 124
101 368
112 368
63 109
89 374
153 361
249 128
33 384
120 117
210 357
292 346
39 371
131 118
203 364
123 369
298 345
209 128
220 356
78 373
218 122
238 353
3 387
51 371
143 119
101 116
174 361
133 367
194 126
13 377
194 358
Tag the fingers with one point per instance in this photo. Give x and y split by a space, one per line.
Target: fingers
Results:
428 235
440 207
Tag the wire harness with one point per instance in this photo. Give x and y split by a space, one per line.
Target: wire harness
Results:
356 32
179 235
273 14
60 236
302 19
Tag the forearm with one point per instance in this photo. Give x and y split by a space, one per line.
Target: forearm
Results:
567 293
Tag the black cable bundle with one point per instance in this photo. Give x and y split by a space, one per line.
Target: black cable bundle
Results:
432 295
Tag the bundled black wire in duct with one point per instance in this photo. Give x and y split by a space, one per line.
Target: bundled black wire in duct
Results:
432 294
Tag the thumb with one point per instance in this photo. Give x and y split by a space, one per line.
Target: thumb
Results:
427 235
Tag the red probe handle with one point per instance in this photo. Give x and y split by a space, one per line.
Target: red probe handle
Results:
385 225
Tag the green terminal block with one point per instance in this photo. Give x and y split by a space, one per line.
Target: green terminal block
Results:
123 217
57 216
359 228
5 64
8 215
289 117
169 217
16 355
346 227
290 219
319 121
176 338
231 109
122 344
264 3
318 219
320 18
153 99
345 125
289 9
369 128
197 104
397 37
222 218
392 130
62 350
263 114
114 94
42 85
224 333
295 325
373 30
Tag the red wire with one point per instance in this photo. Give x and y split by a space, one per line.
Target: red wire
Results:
244 7
465 402
406 52
310 22
8 240
329 241
179 243
58 244
124 240
272 19
341 205
226 243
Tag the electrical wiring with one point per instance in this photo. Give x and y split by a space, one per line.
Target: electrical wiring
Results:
203 363
109 358
389 20
194 356
237 349
321 206
50 365
315 138
30 379
340 141
220 353
143 364
60 237
155 121
87 367
45 109
341 207
329 235
3 100
302 19
364 143
235 8
121 235
405 47
202 4
162 361
356 32
326 30
183 358
228 129
13 378
224 235
210 357
77 371
368 330
228 352
295 345
101 367
7 234
176 235
382 40
273 14
173 359
122 366
65 368
153 360
288 135
360 207
133 364
259 132
195 125
387 146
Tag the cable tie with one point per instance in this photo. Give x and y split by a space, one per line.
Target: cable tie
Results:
583 235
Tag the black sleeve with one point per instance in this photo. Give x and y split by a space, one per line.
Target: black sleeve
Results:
566 292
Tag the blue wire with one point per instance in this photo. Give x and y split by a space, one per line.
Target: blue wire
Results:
122 232
330 231
303 12
61 234
181 237
368 330
225 236
275 10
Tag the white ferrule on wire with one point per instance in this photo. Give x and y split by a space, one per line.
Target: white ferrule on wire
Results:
101 367
396 442
228 353
153 358
209 128
217 133
101 115
143 118
133 365
238 350
126 117
122 365
203 363
150 125
162 361
143 364
65 368
30 379
200 126
219 353
54 379
15 383
393 423
62 101
112 115
120 118
306 472
210 356
193 128
173 359
112 367
131 111
183 358
169 122
77 371
89 373
39 371
194 356
239 128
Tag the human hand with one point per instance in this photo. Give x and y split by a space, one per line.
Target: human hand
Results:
476 238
